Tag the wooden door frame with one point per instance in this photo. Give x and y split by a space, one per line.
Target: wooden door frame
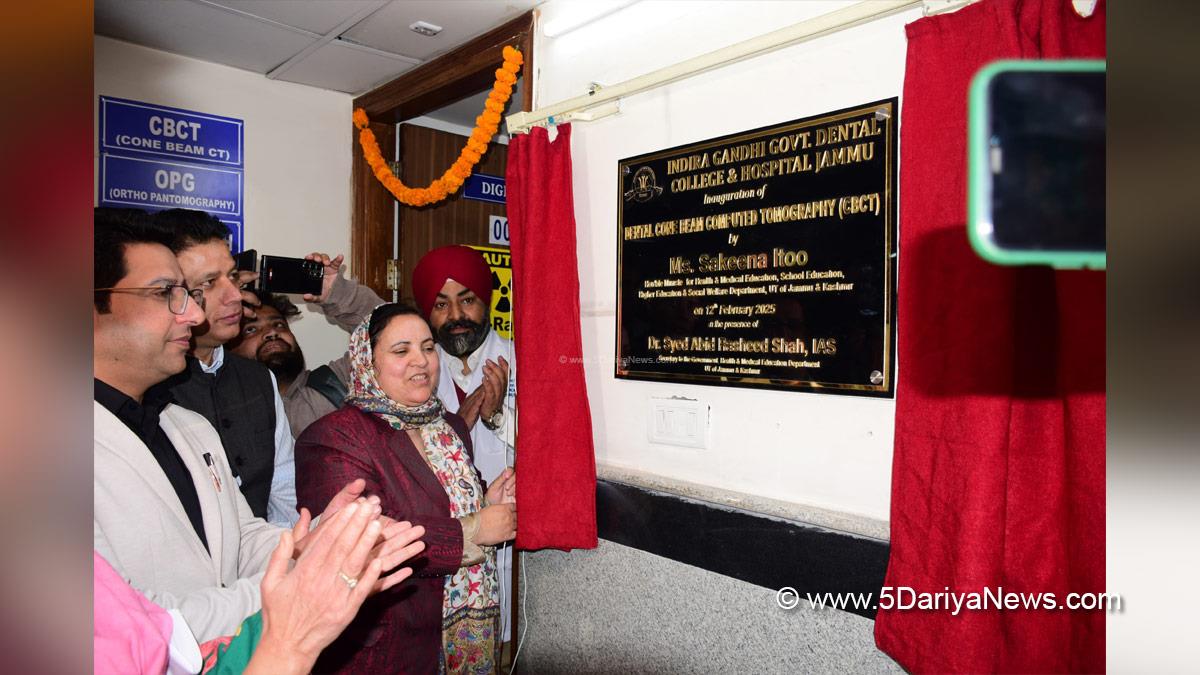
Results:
464 71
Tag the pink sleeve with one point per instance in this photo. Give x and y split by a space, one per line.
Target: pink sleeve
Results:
131 634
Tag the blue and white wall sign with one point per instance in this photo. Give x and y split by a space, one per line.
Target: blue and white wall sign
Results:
235 234
156 157
498 230
147 183
133 126
484 188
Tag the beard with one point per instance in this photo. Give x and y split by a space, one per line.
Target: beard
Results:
287 364
461 344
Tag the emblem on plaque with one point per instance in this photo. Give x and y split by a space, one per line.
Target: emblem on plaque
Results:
645 186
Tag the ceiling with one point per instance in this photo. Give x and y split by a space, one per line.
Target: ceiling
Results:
344 45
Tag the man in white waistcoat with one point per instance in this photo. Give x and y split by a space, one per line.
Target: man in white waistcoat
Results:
453 287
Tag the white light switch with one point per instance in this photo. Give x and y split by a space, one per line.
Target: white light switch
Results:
678 421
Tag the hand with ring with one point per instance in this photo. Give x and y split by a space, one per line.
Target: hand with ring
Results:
307 608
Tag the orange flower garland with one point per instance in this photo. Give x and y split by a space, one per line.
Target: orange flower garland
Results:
486 126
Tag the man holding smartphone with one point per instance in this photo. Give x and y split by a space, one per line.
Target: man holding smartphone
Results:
308 395
238 396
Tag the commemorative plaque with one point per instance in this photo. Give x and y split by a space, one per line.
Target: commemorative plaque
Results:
763 259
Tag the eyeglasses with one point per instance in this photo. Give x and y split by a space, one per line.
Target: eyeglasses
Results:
177 295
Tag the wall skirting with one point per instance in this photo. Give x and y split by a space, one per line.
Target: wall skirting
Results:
765 551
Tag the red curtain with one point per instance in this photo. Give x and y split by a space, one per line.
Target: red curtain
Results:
998 472
556 464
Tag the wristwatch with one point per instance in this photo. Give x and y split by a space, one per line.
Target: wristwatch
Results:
493 423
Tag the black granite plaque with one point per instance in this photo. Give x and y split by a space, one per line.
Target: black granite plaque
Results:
764 258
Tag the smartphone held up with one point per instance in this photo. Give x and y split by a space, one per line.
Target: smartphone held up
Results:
279 274
1036 157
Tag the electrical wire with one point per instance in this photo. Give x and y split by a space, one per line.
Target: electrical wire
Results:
524 631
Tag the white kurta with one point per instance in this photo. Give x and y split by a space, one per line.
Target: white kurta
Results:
493 449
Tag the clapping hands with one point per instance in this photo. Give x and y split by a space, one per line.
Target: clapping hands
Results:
307 608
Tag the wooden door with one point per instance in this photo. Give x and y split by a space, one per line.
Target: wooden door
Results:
451 77
424 155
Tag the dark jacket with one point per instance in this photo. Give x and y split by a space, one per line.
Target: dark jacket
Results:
399 630
239 401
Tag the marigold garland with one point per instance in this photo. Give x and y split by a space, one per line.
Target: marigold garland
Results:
486 126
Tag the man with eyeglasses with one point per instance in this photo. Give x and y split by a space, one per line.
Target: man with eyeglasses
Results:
238 396
166 513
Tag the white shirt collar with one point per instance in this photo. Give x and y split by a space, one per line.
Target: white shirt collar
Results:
217 362
474 360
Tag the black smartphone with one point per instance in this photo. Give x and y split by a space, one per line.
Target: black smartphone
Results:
1037 163
247 261
278 274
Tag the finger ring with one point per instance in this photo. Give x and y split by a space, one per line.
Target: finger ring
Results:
350 581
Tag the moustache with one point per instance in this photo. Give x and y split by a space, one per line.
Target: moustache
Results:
461 323
278 347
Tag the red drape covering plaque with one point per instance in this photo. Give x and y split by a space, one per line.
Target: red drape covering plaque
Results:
556 463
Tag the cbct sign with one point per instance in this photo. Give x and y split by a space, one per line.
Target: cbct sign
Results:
157 157
169 132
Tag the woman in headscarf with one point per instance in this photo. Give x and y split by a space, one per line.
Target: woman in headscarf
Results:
416 457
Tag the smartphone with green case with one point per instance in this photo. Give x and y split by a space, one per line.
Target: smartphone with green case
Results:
1036 154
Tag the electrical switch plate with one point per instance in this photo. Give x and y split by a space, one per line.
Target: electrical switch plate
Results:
678 421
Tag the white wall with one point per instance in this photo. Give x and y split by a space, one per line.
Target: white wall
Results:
297 148
828 451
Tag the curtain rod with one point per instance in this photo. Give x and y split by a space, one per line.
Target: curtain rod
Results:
604 101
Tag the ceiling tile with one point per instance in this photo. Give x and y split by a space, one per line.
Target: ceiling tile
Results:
343 67
316 17
461 20
199 31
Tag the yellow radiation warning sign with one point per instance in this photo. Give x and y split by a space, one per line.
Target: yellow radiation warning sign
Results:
502 293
